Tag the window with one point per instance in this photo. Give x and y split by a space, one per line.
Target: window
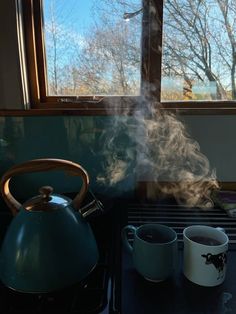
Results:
89 53
199 50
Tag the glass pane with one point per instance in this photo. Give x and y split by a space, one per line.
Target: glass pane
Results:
91 48
199 42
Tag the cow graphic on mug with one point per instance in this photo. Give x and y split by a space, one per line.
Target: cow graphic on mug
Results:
218 261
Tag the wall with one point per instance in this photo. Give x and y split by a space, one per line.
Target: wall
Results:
10 74
84 140
79 139
216 136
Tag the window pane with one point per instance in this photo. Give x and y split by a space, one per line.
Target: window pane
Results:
199 40
91 49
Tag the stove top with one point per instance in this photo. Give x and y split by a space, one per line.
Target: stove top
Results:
89 296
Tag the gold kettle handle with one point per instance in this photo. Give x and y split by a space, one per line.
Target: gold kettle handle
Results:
38 165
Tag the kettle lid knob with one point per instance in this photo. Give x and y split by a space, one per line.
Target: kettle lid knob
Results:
45 192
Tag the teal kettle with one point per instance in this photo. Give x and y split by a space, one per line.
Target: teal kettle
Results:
48 245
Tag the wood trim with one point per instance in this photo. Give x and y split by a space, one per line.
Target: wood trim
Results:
35 50
40 49
155 49
141 188
151 48
104 111
53 112
28 18
206 111
202 107
230 186
96 101
225 104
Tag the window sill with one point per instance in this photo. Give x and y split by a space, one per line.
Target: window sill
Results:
119 107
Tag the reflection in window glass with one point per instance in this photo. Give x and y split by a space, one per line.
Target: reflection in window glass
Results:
198 50
90 48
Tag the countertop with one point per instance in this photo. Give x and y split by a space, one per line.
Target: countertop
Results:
176 295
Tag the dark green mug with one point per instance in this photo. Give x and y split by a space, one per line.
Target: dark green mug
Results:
154 250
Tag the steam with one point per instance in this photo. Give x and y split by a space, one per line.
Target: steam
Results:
154 144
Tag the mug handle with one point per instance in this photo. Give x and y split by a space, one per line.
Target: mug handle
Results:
221 229
124 237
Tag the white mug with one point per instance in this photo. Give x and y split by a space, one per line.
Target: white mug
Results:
205 255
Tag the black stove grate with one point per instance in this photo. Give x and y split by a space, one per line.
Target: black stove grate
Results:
179 217
88 297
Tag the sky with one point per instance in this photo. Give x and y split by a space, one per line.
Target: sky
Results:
73 21
76 12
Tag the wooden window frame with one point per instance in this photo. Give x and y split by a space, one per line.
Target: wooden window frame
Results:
85 105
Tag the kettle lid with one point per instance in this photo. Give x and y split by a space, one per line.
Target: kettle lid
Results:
46 201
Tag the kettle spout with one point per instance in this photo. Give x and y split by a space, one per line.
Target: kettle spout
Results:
94 207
